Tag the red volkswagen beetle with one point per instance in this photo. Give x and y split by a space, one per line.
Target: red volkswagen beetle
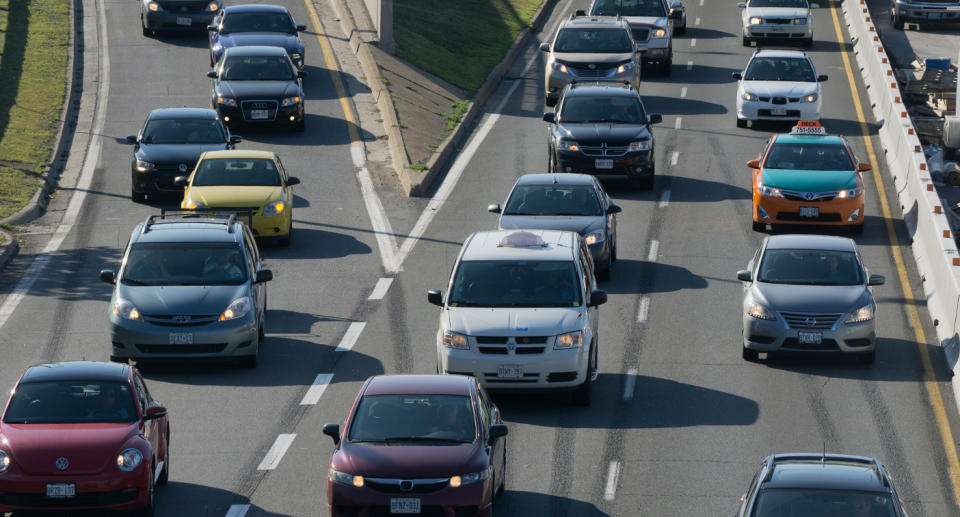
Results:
82 435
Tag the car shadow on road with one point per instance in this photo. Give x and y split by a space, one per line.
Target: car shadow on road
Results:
293 322
198 39
705 74
523 503
640 276
702 33
320 130
677 106
69 275
310 243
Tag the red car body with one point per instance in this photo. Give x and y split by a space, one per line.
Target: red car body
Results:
84 455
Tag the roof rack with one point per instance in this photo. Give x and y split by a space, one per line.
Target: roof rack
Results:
220 215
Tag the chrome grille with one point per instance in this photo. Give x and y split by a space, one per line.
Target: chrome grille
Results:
587 72
778 21
247 106
180 320
806 320
797 195
603 150
184 7
640 34
406 486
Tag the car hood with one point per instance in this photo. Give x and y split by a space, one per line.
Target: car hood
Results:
779 88
230 196
579 224
269 90
595 134
289 42
580 58
810 298
809 181
510 321
647 21
777 12
89 448
170 300
408 461
176 153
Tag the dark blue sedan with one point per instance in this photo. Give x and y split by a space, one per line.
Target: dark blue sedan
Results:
260 25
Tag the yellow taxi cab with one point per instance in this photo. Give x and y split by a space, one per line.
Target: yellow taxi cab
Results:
252 183
807 177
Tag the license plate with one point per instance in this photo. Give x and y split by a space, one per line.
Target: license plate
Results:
776 29
181 338
604 164
778 111
258 114
809 211
809 338
183 20
510 371
404 505
933 16
61 490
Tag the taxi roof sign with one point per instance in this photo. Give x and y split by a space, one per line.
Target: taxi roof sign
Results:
808 127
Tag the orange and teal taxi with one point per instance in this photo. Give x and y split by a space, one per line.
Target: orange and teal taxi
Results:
807 177
252 183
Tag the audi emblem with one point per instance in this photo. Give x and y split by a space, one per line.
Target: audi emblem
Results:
181 318
260 105
62 463
406 485
810 322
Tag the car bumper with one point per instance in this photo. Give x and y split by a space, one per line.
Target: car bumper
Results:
600 252
760 110
778 31
144 340
157 182
775 336
551 369
839 212
920 12
466 501
657 49
288 117
634 165
556 79
120 491
160 20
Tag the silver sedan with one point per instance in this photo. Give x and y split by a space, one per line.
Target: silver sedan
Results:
808 293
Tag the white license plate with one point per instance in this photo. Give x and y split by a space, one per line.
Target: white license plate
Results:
809 338
181 338
933 17
183 20
809 211
510 371
603 164
778 111
404 505
259 114
61 490
776 29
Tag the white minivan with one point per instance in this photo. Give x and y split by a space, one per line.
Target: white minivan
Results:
521 312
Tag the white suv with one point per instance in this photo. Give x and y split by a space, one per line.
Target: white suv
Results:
521 312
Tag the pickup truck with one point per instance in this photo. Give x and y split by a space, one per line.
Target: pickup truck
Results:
924 11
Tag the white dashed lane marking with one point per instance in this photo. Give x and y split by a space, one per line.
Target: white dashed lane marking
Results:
676 124
664 198
674 158
689 65
654 251
316 389
630 385
697 21
380 290
276 452
350 338
683 92
613 476
644 311
693 42
238 510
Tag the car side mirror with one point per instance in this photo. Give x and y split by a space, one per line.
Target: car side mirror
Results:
263 275
550 117
181 181
333 431
741 4
234 139
301 74
597 298
864 167
654 118
545 46
293 180
494 208
301 27
132 139
497 431
580 12
822 78
614 209
154 412
211 28
737 76
434 297
108 276
212 74
754 164
877 280
745 275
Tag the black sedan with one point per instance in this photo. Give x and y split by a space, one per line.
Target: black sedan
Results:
156 15
258 86
602 129
255 24
169 145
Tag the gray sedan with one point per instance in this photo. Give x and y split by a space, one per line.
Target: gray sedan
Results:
808 293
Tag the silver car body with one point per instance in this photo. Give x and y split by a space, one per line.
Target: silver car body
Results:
776 22
653 34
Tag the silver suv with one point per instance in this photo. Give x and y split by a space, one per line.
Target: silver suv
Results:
652 25
189 286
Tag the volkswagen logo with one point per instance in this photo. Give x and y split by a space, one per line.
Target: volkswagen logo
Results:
592 66
62 463
181 318
406 485
809 196
182 167
810 321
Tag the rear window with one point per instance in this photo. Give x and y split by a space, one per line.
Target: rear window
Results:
822 503
245 172
812 157
184 263
502 283
414 418
71 402
560 200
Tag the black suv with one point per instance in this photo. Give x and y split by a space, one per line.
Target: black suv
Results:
602 129
825 485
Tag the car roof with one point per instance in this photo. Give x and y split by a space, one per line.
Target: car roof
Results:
238 153
555 179
254 8
76 370
779 52
595 22
182 113
256 50
178 228
813 242
486 245
787 138
419 384
607 88
830 471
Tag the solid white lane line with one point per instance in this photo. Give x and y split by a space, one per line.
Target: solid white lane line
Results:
238 510
701 5
276 452
674 158
350 338
676 125
630 385
613 475
697 21
693 42
689 65
380 290
683 92
316 389
664 198
644 311
654 251
382 230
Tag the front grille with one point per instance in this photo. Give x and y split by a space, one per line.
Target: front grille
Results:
804 320
81 499
603 150
501 350
491 377
584 72
184 7
779 100
562 377
640 34
180 320
796 195
769 113
796 217
207 348
174 168
827 345
778 21
492 340
248 106
524 350
417 486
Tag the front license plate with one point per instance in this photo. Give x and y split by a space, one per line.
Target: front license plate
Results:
61 490
603 164
809 338
510 371
258 114
404 505
776 29
183 20
935 17
181 338
809 211
778 111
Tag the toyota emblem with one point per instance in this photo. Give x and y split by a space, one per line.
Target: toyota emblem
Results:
592 66
181 318
809 196
62 463
810 321
183 167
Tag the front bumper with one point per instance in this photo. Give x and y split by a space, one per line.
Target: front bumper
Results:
283 117
776 336
156 181
117 491
466 501
145 340
778 31
163 20
556 79
923 12
767 110
657 49
638 164
837 212
600 251
548 369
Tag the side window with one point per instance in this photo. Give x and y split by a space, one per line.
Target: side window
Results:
587 272
252 251
283 171
484 408
141 395
138 381
251 257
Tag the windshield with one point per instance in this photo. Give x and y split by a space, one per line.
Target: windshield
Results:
184 263
814 157
553 200
612 109
780 69
416 418
594 41
257 68
258 22
810 267
244 172
183 131
71 402
501 283
629 8
822 503
798 4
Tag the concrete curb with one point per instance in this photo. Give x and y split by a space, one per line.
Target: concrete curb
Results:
8 250
414 182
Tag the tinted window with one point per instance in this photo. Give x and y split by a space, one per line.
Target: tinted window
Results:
257 68
553 200
248 172
594 40
780 69
616 109
822 503
815 157
258 22
811 267
414 418
799 4
71 402
629 8
183 131
187 263
481 283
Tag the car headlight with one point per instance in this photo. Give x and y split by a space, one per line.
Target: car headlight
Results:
761 312
455 340
639 145
126 310
4 461
626 67
569 340
275 208
850 193
343 477
214 6
747 96
153 6
143 166
764 190
227 101
560 67
659 33
467 479
290 101
754 20
594 237
296 57
860 315
129 459
567 145
195 205
799 21
810 98
237 309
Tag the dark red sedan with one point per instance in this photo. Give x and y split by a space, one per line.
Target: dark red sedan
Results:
82 435
418 444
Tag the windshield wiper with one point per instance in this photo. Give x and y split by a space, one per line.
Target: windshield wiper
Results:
466 304
394 439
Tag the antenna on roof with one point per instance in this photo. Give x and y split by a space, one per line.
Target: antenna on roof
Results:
823 457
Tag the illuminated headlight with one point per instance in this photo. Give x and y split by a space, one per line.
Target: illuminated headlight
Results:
467 479
567 145
274 208
754 20
153 6
560 66
214 6
799 21
126 310
129 459
194 205
594 237
860 315
809 98
850 193
629 65
346 479
143 166
290 101
237 309
296 57
640 145
760 312
764 190
4 461
455 340
747 96
569 340
659 33
675 10
226 101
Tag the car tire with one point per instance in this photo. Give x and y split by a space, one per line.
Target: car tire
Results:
644 182
745 41
897 21
856 229
262 329
750 355
583 393
503 475
138 197
613 253
868 357
301 126
683 28
603 273
550 165
666 67
285 242
165 473
143 27
741 122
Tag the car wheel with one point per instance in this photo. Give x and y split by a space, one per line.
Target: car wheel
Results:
550 166
603 273
165 473
284 242
856 229
582 394
868 357
897 20
750 355
503 475
643 182
143 27
613 253
666 67
301 126
262 330
745 41
741 122
138 197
